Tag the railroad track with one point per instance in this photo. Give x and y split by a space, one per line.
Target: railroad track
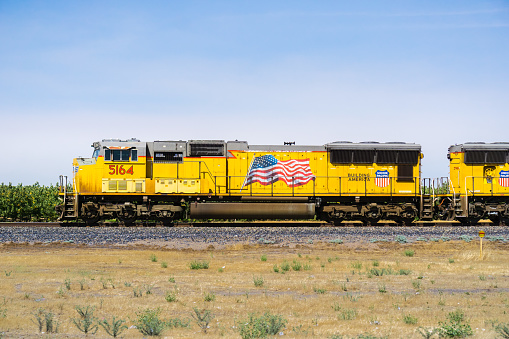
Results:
310 223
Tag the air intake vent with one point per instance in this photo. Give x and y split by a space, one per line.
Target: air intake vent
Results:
211 150
168 157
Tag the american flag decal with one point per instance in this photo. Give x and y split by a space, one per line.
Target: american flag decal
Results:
267 170
504 179
382 178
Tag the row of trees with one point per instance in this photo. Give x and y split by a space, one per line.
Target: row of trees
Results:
28 202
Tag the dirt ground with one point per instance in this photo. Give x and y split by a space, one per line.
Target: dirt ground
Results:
329 290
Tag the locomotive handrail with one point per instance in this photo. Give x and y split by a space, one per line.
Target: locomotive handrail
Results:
236 180
473 192
199 169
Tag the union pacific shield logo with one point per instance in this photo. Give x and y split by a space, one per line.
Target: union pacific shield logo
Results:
504 179
382 178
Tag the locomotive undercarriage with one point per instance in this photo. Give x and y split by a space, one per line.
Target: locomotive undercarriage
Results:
127 211
470 211
164 209
370 213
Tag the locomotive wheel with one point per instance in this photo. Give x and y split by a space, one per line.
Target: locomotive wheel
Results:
91 221
372 221
127 217
408 221
496 220
472 221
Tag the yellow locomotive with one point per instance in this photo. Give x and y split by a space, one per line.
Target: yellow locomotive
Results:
479 183
166 180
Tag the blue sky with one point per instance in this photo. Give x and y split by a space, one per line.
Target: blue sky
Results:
429 72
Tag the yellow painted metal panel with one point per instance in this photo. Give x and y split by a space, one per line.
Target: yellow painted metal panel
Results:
188 185
166 185
123 185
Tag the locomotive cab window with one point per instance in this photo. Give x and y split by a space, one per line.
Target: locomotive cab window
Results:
120 155
134 155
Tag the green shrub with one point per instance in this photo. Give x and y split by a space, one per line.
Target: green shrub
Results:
409 253
503 330
263 257
426 333
401 239
209 296
171 297
356 265
164 264
296 265
258 281
153 258
456 326
261 326
115 328
82 283
319 290
336 241
285 266
198 265
202 318
45 320
377 272
466 238
373 240
177 322
409 319
137 292
348 314
86 322
404 272
148 322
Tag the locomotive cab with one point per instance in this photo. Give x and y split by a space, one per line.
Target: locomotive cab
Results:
479 177
116 166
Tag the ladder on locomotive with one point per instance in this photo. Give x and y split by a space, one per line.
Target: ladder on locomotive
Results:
427 199
70 203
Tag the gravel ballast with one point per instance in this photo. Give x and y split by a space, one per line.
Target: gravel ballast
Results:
222 236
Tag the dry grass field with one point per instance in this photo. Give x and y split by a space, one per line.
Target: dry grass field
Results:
322 290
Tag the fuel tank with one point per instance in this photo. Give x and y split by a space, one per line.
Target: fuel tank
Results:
260 210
